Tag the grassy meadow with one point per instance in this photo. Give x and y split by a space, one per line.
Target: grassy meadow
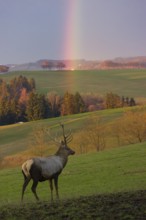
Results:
16 138
118 170
106 182
106 185
122 82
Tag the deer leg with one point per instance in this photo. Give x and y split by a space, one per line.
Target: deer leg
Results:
56 186
51 188
33 188
26 181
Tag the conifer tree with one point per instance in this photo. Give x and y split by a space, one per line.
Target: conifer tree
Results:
36 107
68 104
79 103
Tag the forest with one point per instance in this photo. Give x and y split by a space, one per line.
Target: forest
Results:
20 102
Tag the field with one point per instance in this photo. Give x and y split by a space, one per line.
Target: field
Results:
15 138
108 185
121 206
113 180
129 83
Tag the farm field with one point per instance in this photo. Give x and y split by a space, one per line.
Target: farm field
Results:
122 82
110 182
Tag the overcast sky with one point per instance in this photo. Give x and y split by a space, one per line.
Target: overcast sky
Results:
71 29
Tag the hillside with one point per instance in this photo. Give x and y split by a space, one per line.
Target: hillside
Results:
138 62
16 138
106 183
109 183
110 171
129 83
128 205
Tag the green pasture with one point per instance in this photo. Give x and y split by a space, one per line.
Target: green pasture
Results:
129 83
16 138
118 170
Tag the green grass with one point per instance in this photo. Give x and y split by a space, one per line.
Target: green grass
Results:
106 185
120 206
119 170
123 82
15 138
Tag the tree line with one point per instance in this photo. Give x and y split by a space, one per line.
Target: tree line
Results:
4 68
52 65
19 102
98 134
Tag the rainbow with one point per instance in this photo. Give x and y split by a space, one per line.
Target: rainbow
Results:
72 31
71 41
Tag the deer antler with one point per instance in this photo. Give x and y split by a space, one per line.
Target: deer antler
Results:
68 137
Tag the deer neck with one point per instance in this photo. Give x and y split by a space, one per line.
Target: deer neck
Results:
63 156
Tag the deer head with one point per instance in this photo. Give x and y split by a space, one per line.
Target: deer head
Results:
63 144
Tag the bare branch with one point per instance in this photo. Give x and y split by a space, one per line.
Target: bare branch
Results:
54 139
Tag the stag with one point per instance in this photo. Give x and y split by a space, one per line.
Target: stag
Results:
40 169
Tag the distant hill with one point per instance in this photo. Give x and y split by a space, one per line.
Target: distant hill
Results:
138 62
3 68
124 63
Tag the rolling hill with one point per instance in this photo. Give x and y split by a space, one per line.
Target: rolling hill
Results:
110 183
129 83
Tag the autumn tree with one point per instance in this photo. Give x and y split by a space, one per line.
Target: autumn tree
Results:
8 110
132 127
112 100
4 89
22 104
94 133
37 107
38 142
18 83
72 104
54 101
68 104
93 101
13 98
4 68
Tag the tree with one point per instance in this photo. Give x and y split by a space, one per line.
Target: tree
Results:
60 65
13 99
47 65
22 103
68 104
72 104
18 83
32 84
8 111
38 141
132 102
4 89
132 127
79 103
4 68
93 101
37 107
112 100
54 101
94 133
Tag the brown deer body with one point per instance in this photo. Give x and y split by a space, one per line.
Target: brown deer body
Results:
47 168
